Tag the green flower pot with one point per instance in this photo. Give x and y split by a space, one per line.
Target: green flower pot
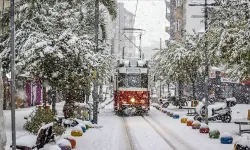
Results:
214 134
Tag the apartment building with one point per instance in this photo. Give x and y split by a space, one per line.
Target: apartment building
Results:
175 13
122 40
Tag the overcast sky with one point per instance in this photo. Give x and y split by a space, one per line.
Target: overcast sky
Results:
150 16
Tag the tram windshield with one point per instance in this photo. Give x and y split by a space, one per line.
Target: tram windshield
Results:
133 80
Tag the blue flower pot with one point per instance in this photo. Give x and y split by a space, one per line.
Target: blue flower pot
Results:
83 129
176 116
226 140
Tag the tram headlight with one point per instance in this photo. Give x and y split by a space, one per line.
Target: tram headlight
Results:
132 100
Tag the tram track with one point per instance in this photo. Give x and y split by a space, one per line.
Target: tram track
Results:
129 136
160 134
133 145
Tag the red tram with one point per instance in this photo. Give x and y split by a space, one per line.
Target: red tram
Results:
131 87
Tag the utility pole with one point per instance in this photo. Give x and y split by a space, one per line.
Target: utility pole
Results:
13 89
206 54
206 64
95 81
2 16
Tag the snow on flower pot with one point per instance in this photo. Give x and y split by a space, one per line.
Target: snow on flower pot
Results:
76 131
83 126
64 144
88 123
54 147
196 125
184 119
204 128
190 122
242 143
214 134
164 110
72 142
176 116
226 138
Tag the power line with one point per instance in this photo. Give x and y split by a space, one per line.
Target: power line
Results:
136 10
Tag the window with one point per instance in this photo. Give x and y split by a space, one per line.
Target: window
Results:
178 3
133 80
177 25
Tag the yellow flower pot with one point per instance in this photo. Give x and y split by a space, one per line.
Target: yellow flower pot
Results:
76 133
184 120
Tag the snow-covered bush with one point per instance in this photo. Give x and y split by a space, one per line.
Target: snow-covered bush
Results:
40 117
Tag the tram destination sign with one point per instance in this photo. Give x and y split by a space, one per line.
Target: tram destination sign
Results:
133 70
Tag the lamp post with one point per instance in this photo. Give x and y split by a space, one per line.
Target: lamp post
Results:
12 44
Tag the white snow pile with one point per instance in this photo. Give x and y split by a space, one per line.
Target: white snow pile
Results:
154 104
164 109
65 136
231 99
226 135
77 128
54 147
97 126
46 126
27 140
63 142
176 113
87 123
126 63
203 125
66 121
190 119
141 63
196 123
82 125
244 140
184 116
214 130
154 96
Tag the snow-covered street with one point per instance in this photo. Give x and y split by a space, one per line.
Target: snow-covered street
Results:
156 131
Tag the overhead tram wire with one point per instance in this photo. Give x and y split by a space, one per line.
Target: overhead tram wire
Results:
136 10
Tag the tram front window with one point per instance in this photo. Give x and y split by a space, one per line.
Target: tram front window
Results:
133 80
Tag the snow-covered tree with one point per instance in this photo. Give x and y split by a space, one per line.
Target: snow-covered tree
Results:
228 37
3 139
54 41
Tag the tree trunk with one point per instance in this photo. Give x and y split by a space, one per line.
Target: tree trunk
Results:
44 96
3 139
101 93
180 90
193 85
53 99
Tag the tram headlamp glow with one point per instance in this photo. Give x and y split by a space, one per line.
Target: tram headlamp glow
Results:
132 100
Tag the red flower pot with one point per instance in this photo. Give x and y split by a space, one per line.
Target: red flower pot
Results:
204 130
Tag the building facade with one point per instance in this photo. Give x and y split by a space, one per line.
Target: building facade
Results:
122 45
175 14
